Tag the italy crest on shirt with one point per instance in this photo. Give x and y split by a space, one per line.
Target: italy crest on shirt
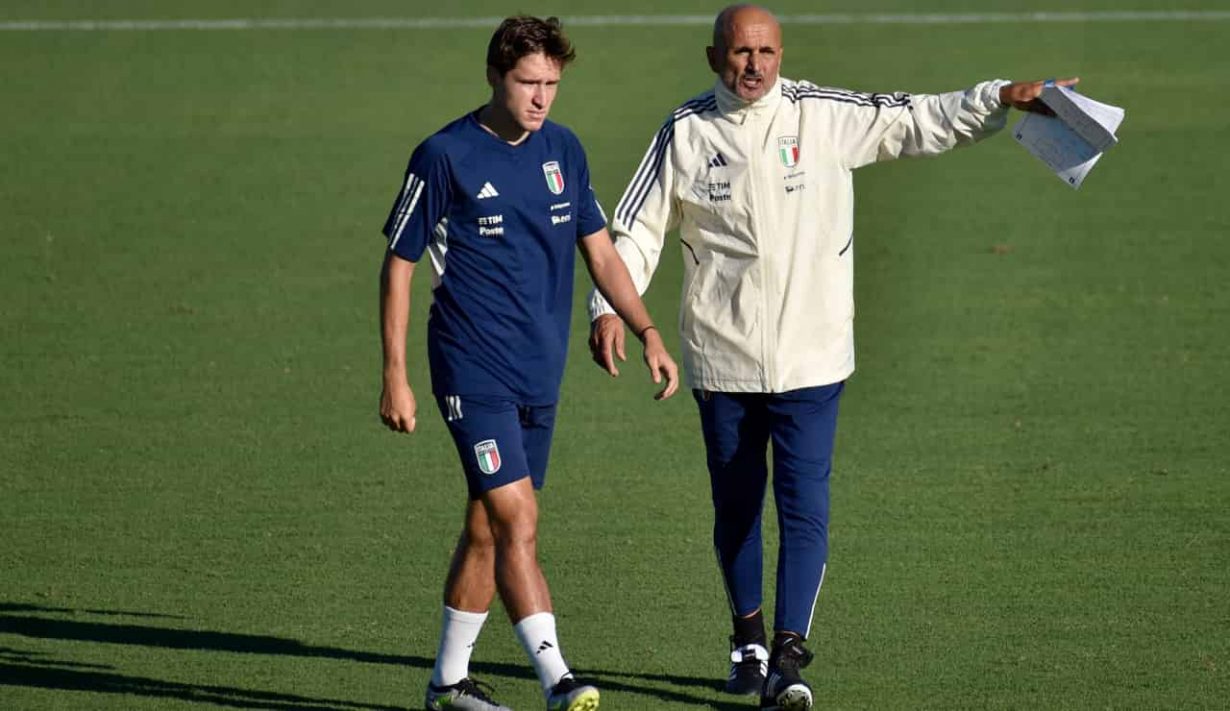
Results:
555 177
788 150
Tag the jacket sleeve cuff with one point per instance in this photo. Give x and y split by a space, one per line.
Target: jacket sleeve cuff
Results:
986 95
598 306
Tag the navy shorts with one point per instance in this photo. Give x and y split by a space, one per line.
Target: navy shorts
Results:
499 440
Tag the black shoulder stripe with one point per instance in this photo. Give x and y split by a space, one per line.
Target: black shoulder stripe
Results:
651 164
850 97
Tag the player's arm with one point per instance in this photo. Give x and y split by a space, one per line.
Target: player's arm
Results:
612 280
420 204
397 406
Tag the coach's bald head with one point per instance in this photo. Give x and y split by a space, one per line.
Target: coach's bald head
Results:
747 50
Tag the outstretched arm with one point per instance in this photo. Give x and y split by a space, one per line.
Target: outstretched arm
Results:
397 406
613 282
878 127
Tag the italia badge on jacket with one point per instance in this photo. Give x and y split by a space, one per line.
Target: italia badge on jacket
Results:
555 177
788 150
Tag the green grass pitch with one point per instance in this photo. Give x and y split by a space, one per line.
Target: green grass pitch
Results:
199 507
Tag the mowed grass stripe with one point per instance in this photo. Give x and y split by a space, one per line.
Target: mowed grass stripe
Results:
438 23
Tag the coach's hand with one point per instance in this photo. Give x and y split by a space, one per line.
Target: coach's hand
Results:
606 342
397 406
1024 95
660 363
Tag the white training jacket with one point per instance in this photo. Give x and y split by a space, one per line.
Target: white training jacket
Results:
762 194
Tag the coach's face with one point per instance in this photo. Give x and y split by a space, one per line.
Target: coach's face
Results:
747 50
526 91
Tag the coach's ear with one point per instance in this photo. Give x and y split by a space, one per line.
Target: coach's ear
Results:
711 55
493 77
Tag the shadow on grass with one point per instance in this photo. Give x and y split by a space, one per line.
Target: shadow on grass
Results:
605 680
40 658
29 671
25 607
50 676
199 640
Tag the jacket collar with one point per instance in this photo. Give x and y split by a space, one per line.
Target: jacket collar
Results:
739 111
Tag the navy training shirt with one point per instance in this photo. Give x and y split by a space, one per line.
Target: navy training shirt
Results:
500 224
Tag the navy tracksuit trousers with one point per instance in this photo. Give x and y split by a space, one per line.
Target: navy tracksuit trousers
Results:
737 428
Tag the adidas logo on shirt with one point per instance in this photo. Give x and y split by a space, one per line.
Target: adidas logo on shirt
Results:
488 191
718 161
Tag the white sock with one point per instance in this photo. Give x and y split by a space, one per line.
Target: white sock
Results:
457 639
537 636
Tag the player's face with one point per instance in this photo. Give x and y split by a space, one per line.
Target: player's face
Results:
748 54
527 91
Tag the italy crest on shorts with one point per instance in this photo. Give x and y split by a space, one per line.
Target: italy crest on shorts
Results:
555 177
487 453
788 150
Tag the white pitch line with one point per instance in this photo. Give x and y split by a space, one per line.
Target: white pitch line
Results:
437 23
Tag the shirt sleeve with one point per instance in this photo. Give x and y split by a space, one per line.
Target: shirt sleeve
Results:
878 127
645 213
590 217
422 201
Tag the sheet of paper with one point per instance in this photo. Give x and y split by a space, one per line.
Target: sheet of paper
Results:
1094 121
1057 145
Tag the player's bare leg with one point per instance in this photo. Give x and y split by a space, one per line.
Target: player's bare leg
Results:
471 576
468 592
513 512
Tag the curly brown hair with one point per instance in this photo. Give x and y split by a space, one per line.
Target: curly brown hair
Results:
522 35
